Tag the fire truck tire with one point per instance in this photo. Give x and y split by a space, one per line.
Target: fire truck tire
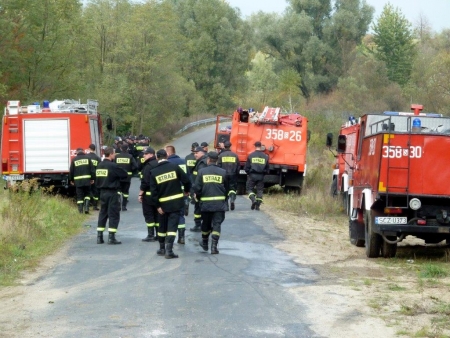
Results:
373 240
389 250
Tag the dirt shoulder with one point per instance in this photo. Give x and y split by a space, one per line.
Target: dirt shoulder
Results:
360 297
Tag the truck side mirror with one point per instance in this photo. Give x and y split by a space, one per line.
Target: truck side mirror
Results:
329 140
109 124
342 144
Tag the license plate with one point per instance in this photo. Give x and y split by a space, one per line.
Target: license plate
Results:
391 220
242 172
13 177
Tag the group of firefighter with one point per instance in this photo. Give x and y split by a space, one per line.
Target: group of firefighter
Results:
169 184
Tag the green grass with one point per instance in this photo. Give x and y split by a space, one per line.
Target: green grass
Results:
430 270
33 224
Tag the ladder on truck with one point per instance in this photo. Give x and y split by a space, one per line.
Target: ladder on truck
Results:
405 170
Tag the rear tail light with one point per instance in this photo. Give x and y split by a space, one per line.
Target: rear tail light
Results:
393 210
421 222
4 165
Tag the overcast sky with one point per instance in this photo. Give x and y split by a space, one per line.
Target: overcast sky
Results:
436 11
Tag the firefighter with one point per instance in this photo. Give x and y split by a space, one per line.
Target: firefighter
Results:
204 145
174 158
190 163
117 143
148 206
256 167
125 161
200 156
109 175
82 176
211 189
229 161
95 159
166 192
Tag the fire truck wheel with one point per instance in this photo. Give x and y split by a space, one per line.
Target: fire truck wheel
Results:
373 240
389 250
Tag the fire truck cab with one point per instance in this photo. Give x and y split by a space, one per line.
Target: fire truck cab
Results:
394 167
40 141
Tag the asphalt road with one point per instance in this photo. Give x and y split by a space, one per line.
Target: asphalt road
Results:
128 291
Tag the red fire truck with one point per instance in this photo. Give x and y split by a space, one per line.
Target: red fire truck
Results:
40 141
393 169
284 138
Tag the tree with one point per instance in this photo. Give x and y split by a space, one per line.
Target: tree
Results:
394 44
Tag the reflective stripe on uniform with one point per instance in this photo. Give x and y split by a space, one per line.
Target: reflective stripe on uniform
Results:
171 234
111 230
194 172
197 216
148 193
169 198
231 192
81 177
206 233
162 234
216 198
215 233
251 194
181 226
101 229
259 199
151 225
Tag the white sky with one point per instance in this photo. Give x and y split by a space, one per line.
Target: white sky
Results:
436 11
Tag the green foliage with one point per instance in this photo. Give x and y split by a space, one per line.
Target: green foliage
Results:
394 44
433 271
33 223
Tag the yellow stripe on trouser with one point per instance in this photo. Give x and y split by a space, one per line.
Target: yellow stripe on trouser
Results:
162 234
112 230
169 198
181 226
151 225
259 199
171 234
101 229
231 192
206 233
197 216
215 233
251 194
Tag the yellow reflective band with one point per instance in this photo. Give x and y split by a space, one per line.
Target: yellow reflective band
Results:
151 225
251 194
166 177
181 226
81 162
142 160
212 179
258 160
171 234
206 233
101 229
169 198
129 173
197 216
122 160
80 202
112 230
183 166
259 199
194 172
87 198
162 234
231 192
227 159
216 198
126 195
191 163
215 233
148 193
101 172
81 177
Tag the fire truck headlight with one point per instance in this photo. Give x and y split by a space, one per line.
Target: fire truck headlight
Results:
415 204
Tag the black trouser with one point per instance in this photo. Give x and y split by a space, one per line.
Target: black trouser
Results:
151 215
125 189
255 181
109 209
232 182
197 214
95 193
83 193
168 225
211 224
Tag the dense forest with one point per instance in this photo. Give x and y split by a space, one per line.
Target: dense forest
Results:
156 62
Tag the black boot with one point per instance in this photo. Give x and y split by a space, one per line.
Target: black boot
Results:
169 252
204 244
214 250
80 208
197 227
100 237
253 199
181 235
112 239
124 204
150 237
232 199
95 205
86 206
162 250
258 203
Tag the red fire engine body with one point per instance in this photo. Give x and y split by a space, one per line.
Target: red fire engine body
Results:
393 171
40 142
283 138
